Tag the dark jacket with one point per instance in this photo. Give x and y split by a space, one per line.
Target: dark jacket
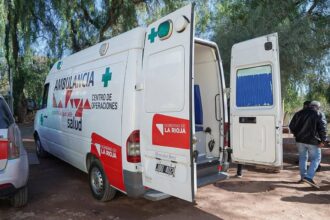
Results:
309 126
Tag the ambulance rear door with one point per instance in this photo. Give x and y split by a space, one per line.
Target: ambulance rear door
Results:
255 102
166 112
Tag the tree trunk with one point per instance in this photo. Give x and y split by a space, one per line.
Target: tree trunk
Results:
14 65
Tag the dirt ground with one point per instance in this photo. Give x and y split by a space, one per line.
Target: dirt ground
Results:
60 191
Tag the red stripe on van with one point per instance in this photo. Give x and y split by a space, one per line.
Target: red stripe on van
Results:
170 131
54 101
3 149
67 97
111 158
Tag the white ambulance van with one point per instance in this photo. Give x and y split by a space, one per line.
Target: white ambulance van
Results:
145 113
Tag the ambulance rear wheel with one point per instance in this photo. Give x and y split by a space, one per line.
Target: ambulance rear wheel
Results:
99 184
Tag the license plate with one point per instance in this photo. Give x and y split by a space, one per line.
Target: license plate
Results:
169 170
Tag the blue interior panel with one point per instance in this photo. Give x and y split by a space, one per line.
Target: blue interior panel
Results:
198 109
254 90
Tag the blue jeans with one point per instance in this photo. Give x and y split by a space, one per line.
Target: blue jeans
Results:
314 153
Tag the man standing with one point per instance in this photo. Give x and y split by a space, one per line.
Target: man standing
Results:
309 127
306 104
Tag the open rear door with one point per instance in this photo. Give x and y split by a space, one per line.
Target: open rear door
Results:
255 119
166 114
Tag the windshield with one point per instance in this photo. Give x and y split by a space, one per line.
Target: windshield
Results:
6 118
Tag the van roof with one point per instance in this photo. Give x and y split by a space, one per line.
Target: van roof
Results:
133 39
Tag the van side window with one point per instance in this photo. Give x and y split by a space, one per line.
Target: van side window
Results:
45 96
6 118
254 86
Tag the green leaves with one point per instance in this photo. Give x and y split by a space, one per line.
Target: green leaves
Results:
31 31
304 33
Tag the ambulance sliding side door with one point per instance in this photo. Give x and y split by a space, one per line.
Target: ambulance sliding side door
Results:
166 114
255 114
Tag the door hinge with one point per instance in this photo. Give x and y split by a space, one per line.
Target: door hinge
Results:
227 92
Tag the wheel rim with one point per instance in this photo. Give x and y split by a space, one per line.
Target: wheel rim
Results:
97 181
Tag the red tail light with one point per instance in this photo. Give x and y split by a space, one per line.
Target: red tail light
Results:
133 147
3 149
6 186
8 148
13 150
13 147
226 135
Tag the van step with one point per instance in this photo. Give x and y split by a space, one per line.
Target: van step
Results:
206 180
154 195
207 169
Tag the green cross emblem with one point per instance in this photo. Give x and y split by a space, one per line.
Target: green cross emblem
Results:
152 35
106 77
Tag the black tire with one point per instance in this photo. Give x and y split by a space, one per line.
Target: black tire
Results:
41 153
20 198
99 184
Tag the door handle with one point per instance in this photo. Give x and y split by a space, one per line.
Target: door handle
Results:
216 107
248 120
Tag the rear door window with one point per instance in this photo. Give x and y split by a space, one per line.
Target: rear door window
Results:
6 118
254 87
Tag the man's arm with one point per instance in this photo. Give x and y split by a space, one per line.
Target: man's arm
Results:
322 128
293 123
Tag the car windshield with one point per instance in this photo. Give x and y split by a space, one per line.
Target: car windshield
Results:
6 118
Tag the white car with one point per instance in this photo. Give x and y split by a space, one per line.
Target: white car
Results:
14 165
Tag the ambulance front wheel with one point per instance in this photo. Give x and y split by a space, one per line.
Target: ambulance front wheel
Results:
99 184
40 151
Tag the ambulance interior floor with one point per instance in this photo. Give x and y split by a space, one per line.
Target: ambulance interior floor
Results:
60 191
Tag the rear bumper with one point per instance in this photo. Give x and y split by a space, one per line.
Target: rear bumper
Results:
16 172
206 180
7 190
133 184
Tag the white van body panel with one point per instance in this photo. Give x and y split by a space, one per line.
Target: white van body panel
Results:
84 113
256 122
133 39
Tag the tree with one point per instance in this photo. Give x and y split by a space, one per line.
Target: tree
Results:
18 21
317 88
203 15
75 25
302 25
64 27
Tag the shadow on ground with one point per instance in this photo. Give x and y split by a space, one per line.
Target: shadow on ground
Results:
265 186
311 198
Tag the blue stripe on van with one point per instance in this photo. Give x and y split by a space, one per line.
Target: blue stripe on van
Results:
254 90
